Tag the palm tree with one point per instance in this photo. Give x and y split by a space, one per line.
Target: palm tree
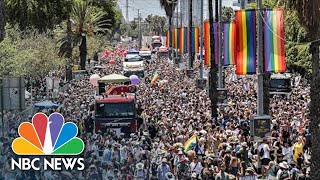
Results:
309 12
213 78
148 19
86 21
2 20
167 6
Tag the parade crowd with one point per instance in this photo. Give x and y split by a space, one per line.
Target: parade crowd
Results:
174 111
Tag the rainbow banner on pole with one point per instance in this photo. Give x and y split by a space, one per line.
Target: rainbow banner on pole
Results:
195 40
175 38
168 38
207 51
246 42
229 44
274 52
183 40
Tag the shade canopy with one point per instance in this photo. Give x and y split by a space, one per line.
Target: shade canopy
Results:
114 78
46 104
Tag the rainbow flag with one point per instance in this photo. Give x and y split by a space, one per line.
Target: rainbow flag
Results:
183 40
274 52
191 142
168 38
175 38
229 44
246 42
207 51
155 78
195 40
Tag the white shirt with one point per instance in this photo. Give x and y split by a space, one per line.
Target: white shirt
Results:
140 174
196 167
201 149
265 149
123 152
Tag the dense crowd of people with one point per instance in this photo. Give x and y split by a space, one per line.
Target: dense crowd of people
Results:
173 110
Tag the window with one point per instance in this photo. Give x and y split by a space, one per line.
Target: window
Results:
119 110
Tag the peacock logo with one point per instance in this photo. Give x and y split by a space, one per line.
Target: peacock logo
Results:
47 136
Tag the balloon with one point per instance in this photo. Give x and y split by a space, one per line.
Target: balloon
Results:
134 79
111 61
94 79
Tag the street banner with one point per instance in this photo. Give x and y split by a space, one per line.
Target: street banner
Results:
274 52
229 43
246 42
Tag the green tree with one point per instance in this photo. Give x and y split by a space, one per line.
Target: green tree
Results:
133 25
156 23
227 14
308 12
86 21
2 20
168 6
20 54
40 14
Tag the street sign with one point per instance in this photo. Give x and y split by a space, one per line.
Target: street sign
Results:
12 93
190 73
222 94
201 83
259 126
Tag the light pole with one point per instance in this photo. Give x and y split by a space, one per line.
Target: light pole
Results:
189 34
220 63
139 29
201 39
201 82
260 59
2 104
172 2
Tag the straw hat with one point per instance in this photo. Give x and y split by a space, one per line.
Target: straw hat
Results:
284 165
164 160
140 166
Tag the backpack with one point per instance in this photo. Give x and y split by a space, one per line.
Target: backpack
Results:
261 153
154 168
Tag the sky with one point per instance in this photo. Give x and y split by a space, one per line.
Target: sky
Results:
153 7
